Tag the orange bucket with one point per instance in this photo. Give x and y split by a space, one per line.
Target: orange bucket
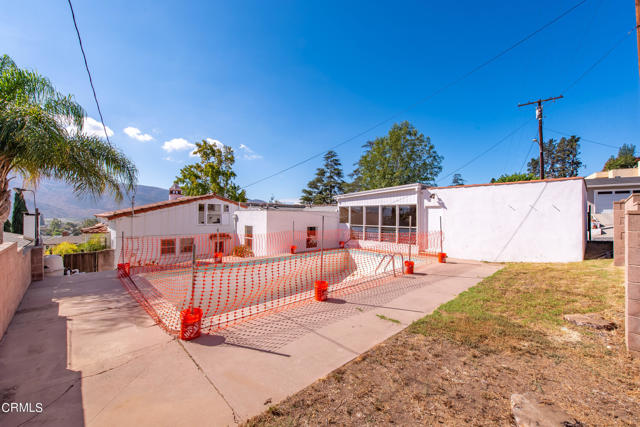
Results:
124 268
341 245
190 323
408 267
293 249
322 289
442 257
217 258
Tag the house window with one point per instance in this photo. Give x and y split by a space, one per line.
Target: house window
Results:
213 213
312 237
344 215
248 236
167 247
201 213
226 208
406 212
389 216
605 192
356 215
622 192
186 245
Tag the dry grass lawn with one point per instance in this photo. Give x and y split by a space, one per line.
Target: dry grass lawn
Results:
460 365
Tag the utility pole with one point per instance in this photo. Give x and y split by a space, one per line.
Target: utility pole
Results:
638 33
539 117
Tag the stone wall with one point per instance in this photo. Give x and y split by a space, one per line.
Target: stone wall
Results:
618 233
632 276
15 277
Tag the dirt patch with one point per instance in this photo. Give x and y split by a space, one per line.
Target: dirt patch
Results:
460 365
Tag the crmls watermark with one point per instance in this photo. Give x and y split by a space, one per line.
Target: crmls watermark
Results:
19 407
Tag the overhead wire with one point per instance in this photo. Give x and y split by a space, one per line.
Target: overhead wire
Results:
428 97
86 65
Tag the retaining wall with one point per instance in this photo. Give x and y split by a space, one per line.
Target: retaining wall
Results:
15 277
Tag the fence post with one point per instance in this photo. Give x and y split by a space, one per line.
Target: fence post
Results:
589 224
321 246
440 234
409 239
193 274
122 246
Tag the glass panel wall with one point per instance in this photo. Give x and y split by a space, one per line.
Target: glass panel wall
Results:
356 215
344 215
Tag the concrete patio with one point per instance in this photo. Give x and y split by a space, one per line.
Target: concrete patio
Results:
85 350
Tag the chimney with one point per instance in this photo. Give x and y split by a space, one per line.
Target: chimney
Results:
175 192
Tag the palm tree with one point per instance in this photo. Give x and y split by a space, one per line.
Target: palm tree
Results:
41 137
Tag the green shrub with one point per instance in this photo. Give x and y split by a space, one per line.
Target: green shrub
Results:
65 248
96 243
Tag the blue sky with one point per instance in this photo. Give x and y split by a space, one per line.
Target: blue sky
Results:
281 81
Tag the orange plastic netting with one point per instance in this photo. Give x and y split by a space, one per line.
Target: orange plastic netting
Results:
231 277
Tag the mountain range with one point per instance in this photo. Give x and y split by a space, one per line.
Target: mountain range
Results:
56 199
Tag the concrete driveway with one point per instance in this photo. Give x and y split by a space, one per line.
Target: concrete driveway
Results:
84 350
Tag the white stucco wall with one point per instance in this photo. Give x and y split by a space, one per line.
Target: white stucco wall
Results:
273 229
535 221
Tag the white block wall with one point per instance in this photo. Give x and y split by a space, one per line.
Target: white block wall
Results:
535 221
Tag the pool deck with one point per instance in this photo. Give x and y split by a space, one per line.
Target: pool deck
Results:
85 350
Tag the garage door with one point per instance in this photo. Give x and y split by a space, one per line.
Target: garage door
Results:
604 200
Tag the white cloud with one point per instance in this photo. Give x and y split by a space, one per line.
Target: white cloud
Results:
94 128
171 159
90 126
248 153
215 142
177 144
135 133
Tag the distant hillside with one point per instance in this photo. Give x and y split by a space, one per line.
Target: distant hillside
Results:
55 199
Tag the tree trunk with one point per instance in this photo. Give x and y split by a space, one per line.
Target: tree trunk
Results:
5 205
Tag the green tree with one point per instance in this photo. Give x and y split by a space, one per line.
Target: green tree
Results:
7 226
41 136
327 184
561 158
212 174
55 227
88 222
626 158
19 209
403 156
515 177
457 179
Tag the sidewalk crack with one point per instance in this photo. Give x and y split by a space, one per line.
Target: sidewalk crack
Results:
236 419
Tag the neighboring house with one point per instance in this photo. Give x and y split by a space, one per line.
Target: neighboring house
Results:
273 230
50 242
538 221
98 230
606 187
177 219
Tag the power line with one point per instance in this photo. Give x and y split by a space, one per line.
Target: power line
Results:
583 139
526 157
503 139
602 58
86 65
433 94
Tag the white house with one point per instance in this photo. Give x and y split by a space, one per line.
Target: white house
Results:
537 221
270 231
215 224
176 219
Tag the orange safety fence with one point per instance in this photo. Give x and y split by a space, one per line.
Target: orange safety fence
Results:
231 277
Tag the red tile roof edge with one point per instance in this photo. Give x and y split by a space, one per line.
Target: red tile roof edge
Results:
508 183
164 204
